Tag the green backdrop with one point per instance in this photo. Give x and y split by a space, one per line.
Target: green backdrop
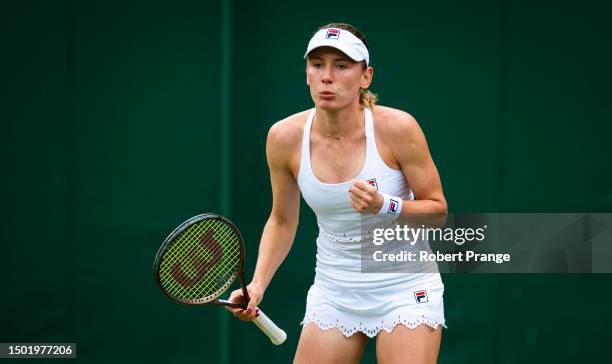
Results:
113 117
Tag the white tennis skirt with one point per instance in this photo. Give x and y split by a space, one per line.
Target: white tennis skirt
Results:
343 297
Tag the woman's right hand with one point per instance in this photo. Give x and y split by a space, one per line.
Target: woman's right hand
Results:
251 311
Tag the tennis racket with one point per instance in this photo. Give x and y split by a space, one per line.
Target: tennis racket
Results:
199 261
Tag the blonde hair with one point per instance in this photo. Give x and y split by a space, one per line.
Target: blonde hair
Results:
366 97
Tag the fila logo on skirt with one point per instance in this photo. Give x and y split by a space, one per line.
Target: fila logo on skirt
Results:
421 296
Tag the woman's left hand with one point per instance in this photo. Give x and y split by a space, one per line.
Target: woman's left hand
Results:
365 199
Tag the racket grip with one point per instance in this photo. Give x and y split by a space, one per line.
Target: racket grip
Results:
276 334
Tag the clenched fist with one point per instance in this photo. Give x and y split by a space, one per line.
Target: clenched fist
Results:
365 199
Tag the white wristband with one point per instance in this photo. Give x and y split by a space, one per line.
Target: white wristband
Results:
392 206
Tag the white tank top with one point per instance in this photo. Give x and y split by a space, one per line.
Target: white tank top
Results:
330 202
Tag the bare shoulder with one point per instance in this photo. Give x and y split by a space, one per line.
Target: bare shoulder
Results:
393 123
288 131
401 138
284 139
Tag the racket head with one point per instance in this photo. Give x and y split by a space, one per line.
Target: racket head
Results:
200 260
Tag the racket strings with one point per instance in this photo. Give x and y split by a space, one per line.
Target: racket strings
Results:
193 268
189 258
223 271
202 259
197 264
183 290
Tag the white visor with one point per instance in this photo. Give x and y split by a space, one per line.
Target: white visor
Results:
341 39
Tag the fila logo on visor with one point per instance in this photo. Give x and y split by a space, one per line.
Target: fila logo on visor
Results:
332 34
421 296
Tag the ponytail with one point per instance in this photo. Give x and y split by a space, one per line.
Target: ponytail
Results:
367 98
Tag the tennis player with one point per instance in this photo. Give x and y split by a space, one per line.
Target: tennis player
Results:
350 159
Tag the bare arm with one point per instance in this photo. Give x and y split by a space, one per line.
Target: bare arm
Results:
409 148
279 231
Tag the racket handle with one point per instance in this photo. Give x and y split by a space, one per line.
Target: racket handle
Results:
276 334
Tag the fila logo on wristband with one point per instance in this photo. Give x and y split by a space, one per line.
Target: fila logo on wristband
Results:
421 296
393 204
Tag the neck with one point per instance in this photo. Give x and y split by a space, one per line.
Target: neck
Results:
338 123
